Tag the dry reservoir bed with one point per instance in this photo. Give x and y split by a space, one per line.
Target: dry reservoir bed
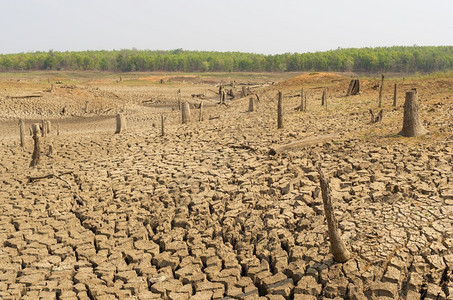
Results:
204 212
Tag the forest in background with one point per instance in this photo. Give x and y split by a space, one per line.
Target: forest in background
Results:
411 59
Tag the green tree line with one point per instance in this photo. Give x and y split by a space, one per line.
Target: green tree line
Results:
382 59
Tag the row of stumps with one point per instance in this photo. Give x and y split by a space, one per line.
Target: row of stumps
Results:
412 126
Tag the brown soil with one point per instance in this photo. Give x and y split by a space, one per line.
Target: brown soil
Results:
205 212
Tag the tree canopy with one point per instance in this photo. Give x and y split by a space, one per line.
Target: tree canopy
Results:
382 59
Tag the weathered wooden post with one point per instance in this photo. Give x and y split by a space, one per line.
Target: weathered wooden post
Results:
162 124
412 126
394 95
251 104
380 90
280 110
120 123
185 112
223 97
22 132
48 127
302 107
337 246
58 128
201 116
43 128
85 109
244 91
220 94
324 97
36 148
178 99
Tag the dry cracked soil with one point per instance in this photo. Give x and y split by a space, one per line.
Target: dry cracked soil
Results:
205 212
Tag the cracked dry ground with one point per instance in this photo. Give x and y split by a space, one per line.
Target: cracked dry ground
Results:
206 213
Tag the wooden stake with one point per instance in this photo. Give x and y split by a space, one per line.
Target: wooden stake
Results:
43 130
394 95
337 246
36 148
380 90
162 124
280 110
302 99
178 98
22 132
201 116
48 127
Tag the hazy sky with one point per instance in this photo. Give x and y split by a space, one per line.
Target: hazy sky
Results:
259 26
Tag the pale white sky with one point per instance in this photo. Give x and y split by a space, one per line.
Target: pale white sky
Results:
258 26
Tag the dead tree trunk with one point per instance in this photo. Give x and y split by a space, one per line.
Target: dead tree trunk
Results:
36 148
412 126
251 104
22 132
337 246
280 110
380 90
201 116
162 124
185 112
394 95
120 123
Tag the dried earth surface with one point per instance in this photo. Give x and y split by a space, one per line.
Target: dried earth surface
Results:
205 212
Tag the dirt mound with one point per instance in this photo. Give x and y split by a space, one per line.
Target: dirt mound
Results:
311 78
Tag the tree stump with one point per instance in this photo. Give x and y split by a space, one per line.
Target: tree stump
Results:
251 104
302 107
337 246
380 90
185 112
51 151
48 127
305 100
201 116
120 124
394 95
36 148
354 87
244 91
412 126
22 132
162 124
280 110
43 130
